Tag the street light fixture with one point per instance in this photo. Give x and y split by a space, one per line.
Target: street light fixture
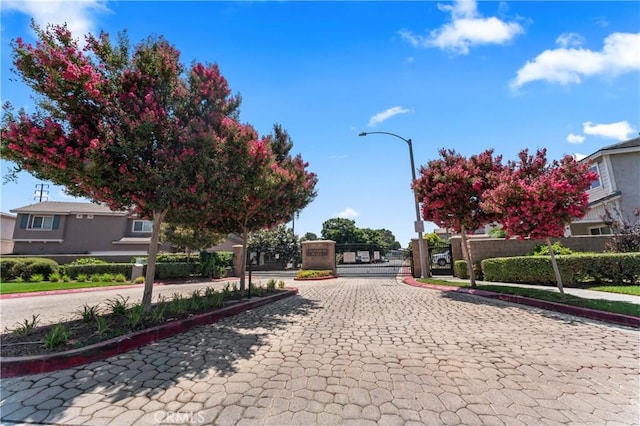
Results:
419 225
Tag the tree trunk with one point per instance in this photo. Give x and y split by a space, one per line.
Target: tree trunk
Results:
556 271
158 217
243 263
467 252
188 250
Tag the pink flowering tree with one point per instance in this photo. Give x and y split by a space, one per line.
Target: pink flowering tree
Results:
264 185
451 190
536 199
132 129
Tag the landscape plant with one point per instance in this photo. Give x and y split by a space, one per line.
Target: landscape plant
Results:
452 190
625 232
537 199
27 326
58 336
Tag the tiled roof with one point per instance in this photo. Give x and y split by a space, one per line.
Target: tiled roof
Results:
60 207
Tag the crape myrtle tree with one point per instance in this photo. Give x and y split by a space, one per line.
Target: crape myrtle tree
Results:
537 199
260 188
451 190
132 129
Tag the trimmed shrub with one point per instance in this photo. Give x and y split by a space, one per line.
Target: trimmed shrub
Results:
462 272
28 266
98 269
615 268
6 268
173 270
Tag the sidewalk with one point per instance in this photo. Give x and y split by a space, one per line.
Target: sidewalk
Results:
586 294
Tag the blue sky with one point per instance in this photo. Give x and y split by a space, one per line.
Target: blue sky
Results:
461 75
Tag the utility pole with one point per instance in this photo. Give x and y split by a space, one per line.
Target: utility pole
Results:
42 191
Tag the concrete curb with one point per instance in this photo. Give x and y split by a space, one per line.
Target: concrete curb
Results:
620 319
22 366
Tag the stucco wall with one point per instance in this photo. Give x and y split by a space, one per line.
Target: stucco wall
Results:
80 235
7 223
485 248
626 170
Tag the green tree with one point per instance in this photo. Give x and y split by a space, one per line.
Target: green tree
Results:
309 236
280 242
189 238
342 231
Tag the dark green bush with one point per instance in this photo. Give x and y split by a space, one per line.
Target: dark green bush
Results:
6 268
166 271
462 271
213 265
25 267
615 268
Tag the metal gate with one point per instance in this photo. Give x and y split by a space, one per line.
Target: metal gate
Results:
441 258
368 260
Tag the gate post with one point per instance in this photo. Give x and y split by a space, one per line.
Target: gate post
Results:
237 258
319 255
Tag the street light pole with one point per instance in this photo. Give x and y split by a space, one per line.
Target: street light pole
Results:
419 224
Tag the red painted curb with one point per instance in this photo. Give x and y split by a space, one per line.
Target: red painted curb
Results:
22 366
620 319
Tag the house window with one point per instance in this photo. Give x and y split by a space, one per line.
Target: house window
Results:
142 226
41 222
601 230
597 183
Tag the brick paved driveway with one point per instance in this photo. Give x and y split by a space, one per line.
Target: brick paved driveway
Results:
356 351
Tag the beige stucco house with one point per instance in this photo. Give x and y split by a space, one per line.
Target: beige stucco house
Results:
617 188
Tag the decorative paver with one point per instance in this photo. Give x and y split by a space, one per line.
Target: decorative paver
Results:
355 351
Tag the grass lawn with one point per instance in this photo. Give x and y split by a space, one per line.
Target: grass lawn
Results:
625 308
25 287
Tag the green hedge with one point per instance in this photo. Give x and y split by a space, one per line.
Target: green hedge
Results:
615 268
462 272
25 267
99 268
163 270
166 271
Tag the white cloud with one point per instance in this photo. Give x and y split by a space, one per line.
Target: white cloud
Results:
467 28
571 138
348 213
569 40
621 130
387 114
579 156
565 65
79 15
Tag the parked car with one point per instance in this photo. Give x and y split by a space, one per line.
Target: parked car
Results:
441 259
